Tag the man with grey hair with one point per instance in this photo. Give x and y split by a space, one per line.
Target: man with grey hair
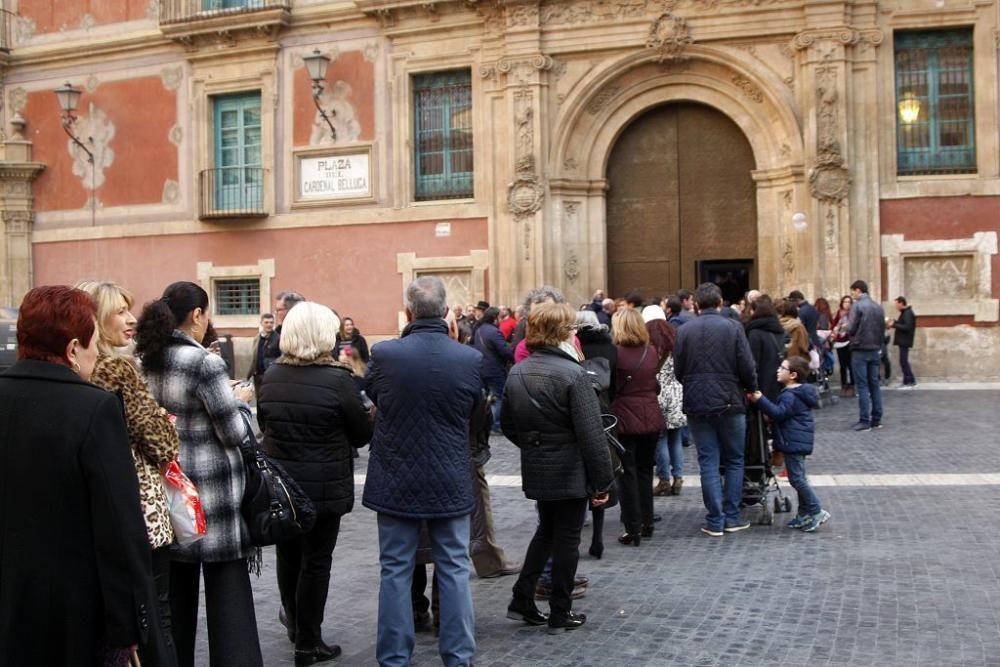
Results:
283 303
543 294
418 472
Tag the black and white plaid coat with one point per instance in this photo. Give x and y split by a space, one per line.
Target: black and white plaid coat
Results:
194 386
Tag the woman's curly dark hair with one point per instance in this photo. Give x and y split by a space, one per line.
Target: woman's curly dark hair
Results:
155 328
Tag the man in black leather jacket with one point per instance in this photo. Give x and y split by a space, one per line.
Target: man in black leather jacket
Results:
866 331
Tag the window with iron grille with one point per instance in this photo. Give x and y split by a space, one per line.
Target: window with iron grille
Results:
237 296
442 108
935 117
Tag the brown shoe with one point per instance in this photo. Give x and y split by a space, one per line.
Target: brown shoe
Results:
675 490
663 488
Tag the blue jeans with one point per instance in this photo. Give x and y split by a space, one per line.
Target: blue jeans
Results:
720 442
397 540
495 385
795 464
670 455
865 368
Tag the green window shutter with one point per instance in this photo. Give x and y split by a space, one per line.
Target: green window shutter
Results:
239 176
237 296
934 73
442 108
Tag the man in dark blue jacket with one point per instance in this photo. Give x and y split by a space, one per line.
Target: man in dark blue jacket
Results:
497 358
712 359
425 388
867 331
808 315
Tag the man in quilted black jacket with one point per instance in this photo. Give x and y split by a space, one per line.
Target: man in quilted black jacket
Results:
425 389
712 359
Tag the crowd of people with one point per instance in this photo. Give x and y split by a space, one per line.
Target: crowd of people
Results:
597 400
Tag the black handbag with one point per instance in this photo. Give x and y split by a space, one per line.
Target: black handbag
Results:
274 507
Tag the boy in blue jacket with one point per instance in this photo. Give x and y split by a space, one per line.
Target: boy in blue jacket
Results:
794 436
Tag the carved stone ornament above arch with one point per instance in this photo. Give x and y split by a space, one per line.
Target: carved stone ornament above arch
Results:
613 94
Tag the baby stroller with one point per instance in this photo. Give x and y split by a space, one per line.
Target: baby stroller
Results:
759 480
821 376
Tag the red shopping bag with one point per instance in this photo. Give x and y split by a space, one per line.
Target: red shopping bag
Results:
186 514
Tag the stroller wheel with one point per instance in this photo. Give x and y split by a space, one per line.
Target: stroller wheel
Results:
777 505
786 503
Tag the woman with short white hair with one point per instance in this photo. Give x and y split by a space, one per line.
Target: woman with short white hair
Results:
311 416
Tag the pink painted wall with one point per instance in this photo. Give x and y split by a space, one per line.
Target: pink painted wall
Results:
351 268
142 112
934 218
55 15
351 68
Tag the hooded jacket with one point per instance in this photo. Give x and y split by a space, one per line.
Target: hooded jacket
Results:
767 345
798 344
792 413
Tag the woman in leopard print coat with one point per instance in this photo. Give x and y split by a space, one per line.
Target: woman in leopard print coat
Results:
153 439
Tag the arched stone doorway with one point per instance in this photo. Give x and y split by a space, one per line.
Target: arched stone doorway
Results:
681 203
607 101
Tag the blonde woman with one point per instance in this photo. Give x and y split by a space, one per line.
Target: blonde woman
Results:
640 421
312 419
152 438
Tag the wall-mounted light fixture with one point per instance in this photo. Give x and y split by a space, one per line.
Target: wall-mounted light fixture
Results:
909 108
316 65
69 98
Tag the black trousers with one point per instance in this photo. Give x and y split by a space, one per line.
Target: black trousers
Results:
558 536
304 578
636 484
418 594
159 651
232 623
844 357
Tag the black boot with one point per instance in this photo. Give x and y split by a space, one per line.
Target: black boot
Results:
320 653
565 622
526 611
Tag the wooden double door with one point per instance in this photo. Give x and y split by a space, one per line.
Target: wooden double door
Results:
681 205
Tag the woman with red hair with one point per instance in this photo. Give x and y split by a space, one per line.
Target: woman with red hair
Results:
75 580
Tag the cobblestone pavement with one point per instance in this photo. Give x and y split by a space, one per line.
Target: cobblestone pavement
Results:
902 575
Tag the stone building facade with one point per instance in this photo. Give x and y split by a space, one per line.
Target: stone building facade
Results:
586 143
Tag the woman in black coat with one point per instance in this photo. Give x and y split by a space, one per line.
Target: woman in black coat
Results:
349 336
767 344
552 414
75 573
311 416
595 343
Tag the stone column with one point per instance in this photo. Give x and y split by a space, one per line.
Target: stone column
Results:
839 67
17 216
520 74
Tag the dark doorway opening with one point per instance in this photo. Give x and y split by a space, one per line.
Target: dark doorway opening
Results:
731 275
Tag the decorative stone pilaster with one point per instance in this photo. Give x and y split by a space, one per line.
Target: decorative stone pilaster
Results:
519 76
17 217
843 248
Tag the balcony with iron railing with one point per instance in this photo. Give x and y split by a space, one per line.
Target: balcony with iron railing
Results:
231 192
182 19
